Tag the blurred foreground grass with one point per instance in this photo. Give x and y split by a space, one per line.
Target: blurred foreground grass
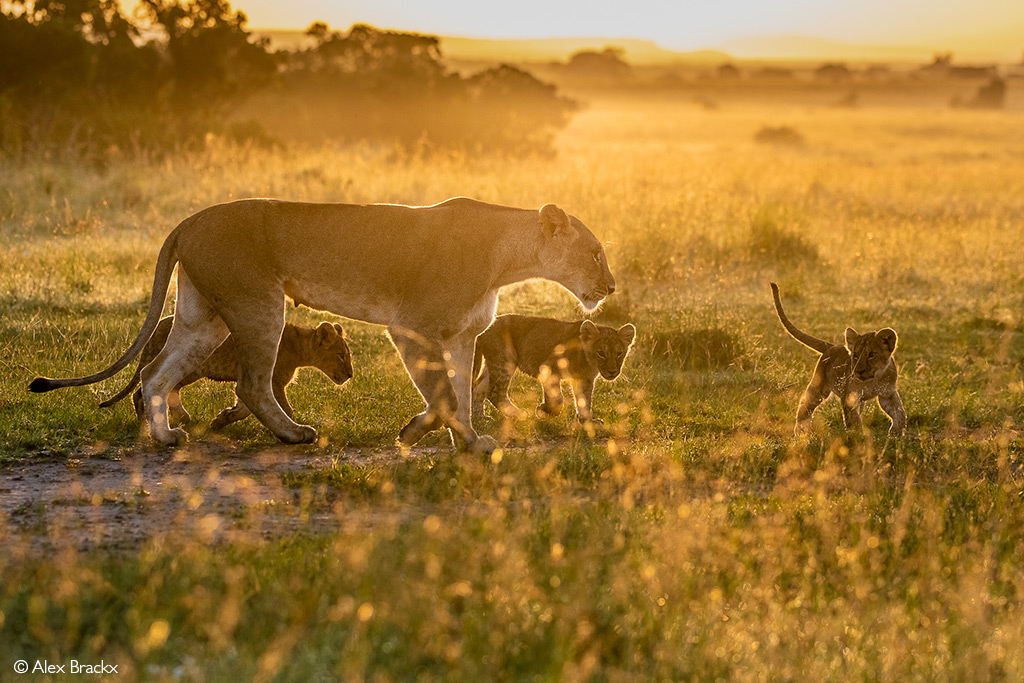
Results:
690 539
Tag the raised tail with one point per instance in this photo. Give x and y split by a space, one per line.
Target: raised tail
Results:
161 282
819 345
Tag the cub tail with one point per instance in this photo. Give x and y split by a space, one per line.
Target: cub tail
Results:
132 383
819 345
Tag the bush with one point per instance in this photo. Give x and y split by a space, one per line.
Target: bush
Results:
783 135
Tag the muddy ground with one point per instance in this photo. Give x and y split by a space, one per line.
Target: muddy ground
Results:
211 492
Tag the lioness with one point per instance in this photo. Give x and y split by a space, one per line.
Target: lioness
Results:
323 348
550 350
874 374
431 274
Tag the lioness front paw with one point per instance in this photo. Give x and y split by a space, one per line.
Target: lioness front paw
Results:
302 434
171 437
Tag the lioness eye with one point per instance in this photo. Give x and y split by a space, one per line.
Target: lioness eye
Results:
597 256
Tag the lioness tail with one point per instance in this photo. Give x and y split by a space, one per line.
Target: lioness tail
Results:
819 345
161 281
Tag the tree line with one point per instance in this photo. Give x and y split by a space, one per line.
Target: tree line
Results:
80 75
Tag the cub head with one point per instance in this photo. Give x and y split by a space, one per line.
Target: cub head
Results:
606 347
571 256
330 352
870 352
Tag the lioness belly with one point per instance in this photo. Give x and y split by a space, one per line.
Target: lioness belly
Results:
358 305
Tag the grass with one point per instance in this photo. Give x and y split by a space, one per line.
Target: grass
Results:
690 538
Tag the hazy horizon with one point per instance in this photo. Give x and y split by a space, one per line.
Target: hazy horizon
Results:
988 29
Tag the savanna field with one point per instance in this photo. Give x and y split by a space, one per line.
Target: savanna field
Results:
689 537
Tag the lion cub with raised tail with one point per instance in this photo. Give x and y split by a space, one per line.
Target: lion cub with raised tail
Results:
874 374
549 350
323 348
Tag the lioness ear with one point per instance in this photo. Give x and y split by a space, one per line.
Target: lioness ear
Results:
627 333
887 337
851 336
339 329
553 220
325 332
588 330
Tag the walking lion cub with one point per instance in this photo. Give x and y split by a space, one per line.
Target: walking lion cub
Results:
549 350
323 348
874 374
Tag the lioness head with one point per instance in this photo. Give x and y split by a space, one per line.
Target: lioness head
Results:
870 352
331 354
572 256
606 347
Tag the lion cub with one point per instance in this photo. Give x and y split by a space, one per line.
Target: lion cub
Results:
323 348
550 350
874 374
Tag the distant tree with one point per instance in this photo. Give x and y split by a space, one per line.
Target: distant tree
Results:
211 55
608 63
728 72
372 52
833 72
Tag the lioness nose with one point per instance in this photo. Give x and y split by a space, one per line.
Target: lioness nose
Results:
611 287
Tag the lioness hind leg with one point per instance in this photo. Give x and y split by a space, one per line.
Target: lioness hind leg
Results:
196 332
256 327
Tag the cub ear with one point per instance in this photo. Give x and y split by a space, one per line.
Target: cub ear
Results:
851 336
325 333
588 330
888 338
339 329
553 220
627 333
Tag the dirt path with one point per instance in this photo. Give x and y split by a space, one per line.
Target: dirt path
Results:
207 491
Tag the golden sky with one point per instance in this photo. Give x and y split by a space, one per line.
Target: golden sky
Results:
980 27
